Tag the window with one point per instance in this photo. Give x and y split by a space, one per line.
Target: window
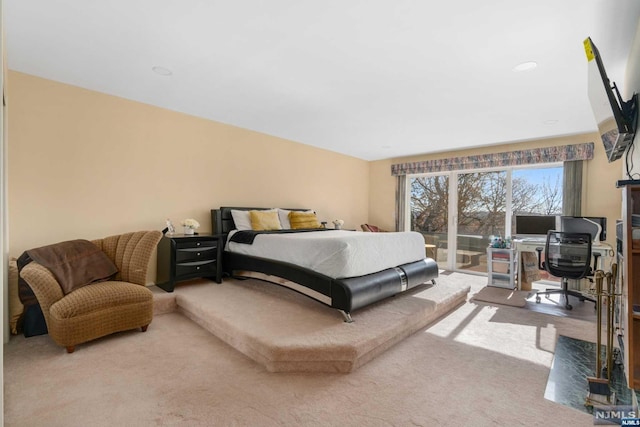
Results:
429 211
459 211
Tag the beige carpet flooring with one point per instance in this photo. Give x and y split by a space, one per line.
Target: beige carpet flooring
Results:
481 365
286 331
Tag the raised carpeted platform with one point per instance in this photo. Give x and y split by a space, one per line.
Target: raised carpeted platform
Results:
287 332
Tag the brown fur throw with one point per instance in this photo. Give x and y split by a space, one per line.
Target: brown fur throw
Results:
74 263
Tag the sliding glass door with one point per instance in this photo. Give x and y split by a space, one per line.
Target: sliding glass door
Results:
429 213
459 211
537 192
481 212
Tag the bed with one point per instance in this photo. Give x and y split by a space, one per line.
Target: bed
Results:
345 270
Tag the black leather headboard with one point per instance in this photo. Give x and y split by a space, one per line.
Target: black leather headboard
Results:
222 221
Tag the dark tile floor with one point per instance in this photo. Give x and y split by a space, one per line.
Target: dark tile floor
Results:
573 362
574 359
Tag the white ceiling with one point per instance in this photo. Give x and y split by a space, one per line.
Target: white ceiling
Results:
369 78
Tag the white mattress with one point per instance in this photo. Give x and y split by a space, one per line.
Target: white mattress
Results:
337 253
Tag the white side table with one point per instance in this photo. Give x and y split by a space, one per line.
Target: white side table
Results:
502 267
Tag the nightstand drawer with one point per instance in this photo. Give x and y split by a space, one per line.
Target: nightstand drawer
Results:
196 254
199 267
195 243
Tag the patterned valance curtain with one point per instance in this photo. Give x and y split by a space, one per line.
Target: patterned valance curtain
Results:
562 153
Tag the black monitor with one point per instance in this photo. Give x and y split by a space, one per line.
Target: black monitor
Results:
535 225
594 225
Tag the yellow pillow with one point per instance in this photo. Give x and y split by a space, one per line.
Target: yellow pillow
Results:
264 220
303 220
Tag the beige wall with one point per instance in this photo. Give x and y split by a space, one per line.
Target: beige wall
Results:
86 165
599 198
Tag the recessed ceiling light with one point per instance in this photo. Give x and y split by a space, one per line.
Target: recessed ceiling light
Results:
525 66
550 122
386 146
162 71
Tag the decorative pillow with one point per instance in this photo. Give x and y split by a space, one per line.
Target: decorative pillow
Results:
283 214
265 220
303 220
241 219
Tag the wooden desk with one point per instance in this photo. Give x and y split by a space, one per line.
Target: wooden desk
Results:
607 254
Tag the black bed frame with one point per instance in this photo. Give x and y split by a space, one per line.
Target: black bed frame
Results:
346 295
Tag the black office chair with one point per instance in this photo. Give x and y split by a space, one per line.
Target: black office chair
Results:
568 256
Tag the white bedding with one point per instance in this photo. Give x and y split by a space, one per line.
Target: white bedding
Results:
337 253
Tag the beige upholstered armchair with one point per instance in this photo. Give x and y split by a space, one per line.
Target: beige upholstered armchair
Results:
101 308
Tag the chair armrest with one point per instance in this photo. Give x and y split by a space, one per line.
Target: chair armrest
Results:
44 286
541 265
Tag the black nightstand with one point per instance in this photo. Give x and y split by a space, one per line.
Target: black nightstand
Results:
183 257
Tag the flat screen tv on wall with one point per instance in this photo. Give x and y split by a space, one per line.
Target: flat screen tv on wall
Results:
616 118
